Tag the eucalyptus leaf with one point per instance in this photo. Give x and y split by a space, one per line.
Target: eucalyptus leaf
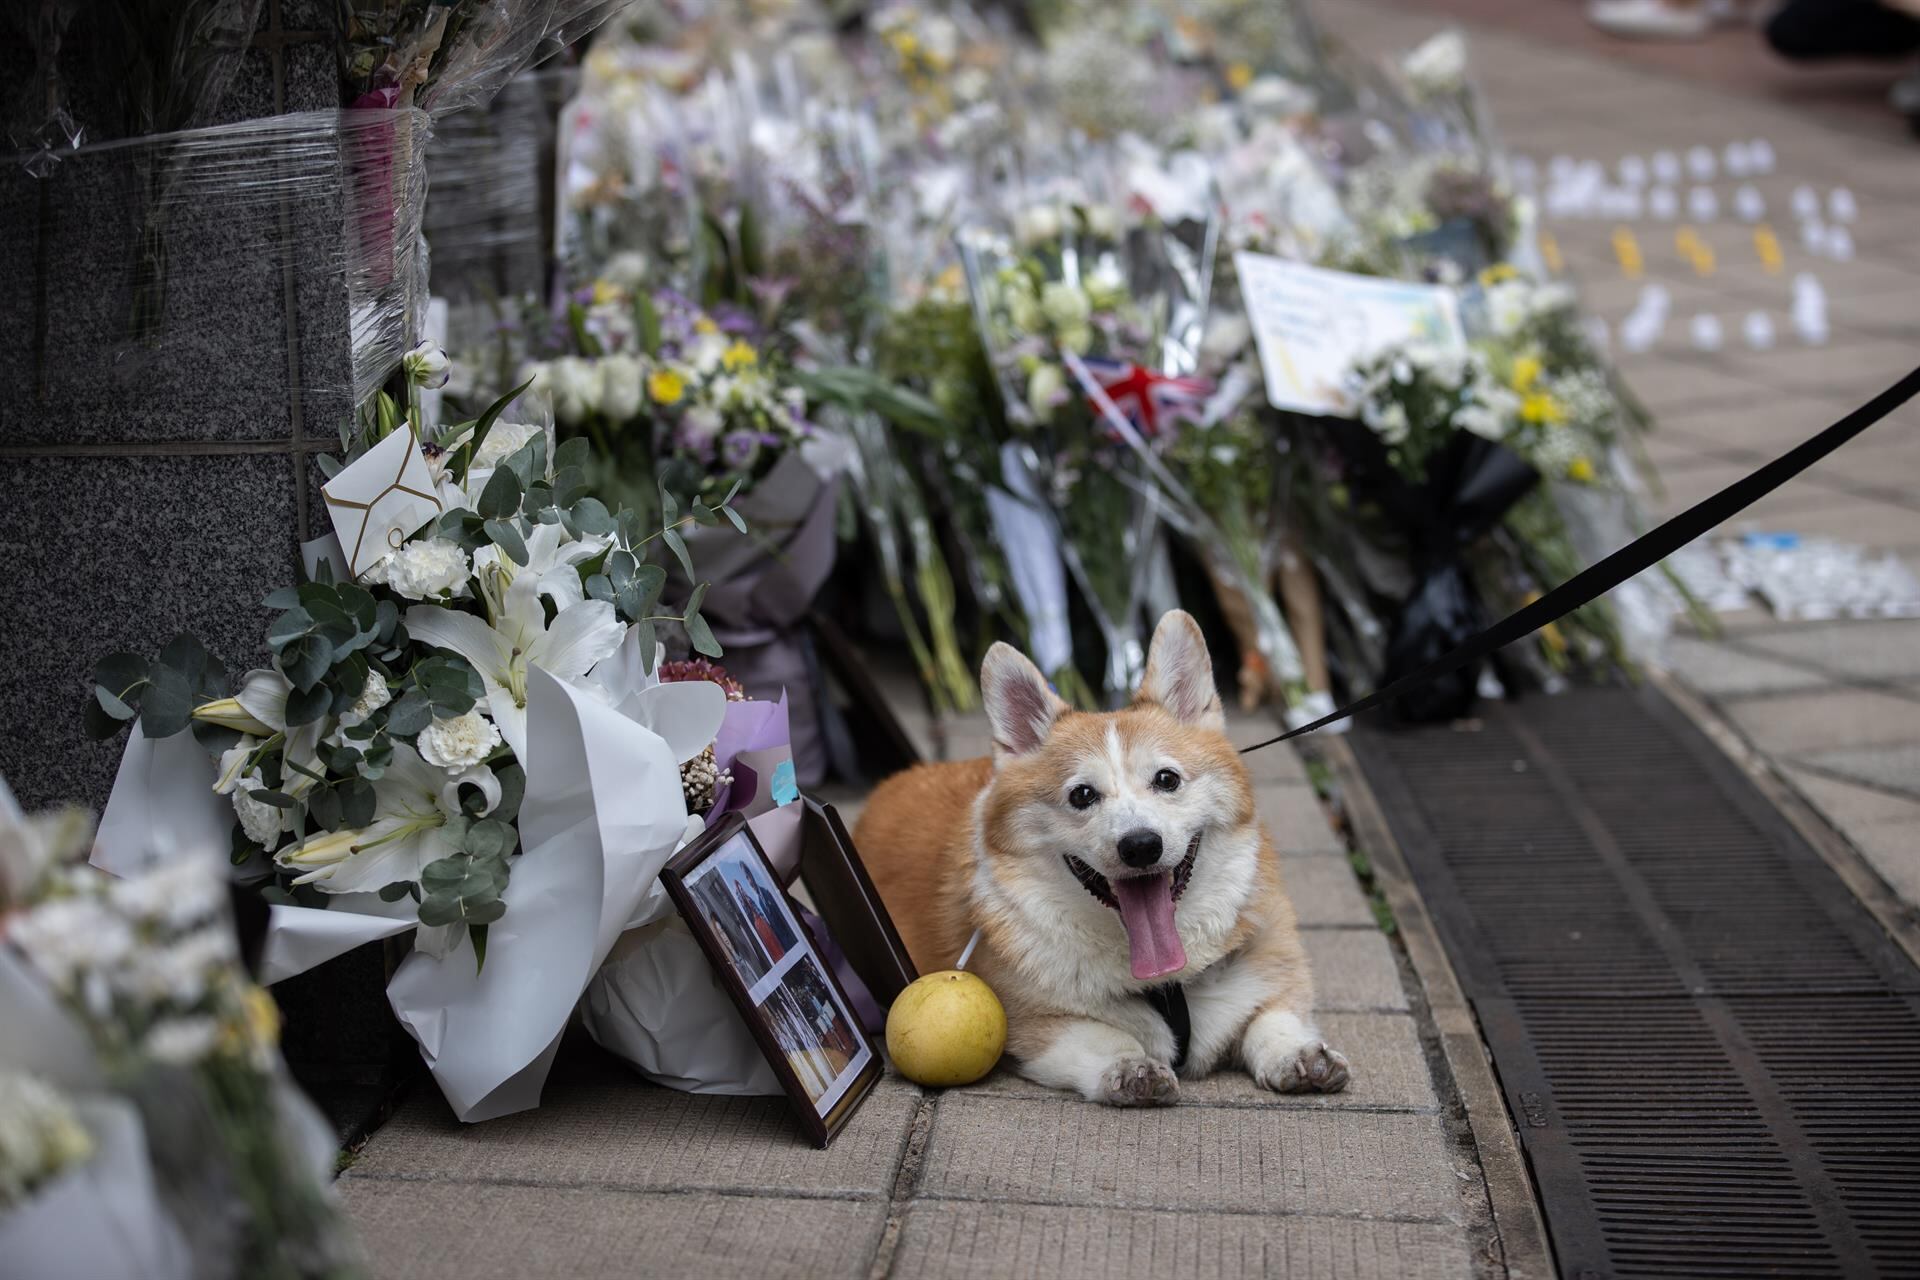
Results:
678 545
501 497
111 704
508 539
410 713
702 636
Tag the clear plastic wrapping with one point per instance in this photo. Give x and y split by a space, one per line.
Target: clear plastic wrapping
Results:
186 280
488 218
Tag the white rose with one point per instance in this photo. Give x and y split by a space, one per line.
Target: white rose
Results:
1035 225
1481 421
1439 65
263 823
431 567
1388 421
1507 308
459 743
709 349
1065 305
504 439
620 392
1106 285
1278 96
1045 389
626 270
576 388
1103 221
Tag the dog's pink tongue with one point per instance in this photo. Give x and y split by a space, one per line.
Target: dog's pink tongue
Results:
1146 909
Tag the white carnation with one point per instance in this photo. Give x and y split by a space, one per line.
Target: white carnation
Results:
373 696
261 821
429 568
458 743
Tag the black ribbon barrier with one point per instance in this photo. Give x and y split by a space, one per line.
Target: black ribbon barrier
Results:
1636 557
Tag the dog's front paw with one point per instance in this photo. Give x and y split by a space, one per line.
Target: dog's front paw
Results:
1313 1068
1138 1082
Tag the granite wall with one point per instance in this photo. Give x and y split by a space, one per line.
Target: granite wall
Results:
160 480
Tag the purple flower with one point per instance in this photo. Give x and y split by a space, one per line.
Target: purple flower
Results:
740 449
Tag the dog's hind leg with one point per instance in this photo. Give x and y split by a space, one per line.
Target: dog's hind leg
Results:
1100 1062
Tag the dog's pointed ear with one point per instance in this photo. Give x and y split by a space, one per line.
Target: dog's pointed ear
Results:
1180 674
1020 705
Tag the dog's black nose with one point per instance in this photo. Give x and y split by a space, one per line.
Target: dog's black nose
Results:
1140 848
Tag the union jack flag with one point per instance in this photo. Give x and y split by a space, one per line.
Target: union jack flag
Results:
1148 400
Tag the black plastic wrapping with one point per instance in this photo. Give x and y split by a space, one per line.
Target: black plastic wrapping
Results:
1470 485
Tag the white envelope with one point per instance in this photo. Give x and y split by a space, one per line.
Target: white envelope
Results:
380 499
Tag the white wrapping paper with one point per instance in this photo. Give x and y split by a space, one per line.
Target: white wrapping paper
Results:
101 1220
603 813
657 1002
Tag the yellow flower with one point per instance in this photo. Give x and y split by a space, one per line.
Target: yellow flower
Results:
1526 372
665 386
1540 409
705 324
1498 272
738 356
604 292
1581 470
1239 76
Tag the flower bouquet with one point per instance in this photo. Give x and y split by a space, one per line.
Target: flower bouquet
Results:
467 732
1065 298
695 405
183 1137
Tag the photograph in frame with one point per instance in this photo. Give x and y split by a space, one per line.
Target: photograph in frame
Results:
734 904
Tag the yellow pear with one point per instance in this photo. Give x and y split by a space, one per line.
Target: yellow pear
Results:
946 1028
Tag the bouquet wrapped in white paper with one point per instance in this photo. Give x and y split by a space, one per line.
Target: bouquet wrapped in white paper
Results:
466 741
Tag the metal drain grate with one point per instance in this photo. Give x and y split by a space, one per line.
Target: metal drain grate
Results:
1711 1051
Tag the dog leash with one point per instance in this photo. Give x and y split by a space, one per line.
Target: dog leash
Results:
1637 556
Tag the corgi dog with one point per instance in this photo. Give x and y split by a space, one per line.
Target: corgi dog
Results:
1129 906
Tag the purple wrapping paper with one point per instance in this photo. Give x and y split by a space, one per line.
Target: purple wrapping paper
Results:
763 584
748 727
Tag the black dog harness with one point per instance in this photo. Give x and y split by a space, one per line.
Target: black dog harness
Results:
1170 1002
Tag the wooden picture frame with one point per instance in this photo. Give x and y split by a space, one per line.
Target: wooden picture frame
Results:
843 894
733 902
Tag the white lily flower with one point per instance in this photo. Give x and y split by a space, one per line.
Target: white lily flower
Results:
520 637
413 802
553 562
259 710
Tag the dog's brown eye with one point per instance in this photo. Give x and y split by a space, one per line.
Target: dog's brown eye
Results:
1166 780
1082 796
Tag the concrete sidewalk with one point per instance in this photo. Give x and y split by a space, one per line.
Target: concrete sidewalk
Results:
613 1177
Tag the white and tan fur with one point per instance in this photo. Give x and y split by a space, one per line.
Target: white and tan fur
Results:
979 844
